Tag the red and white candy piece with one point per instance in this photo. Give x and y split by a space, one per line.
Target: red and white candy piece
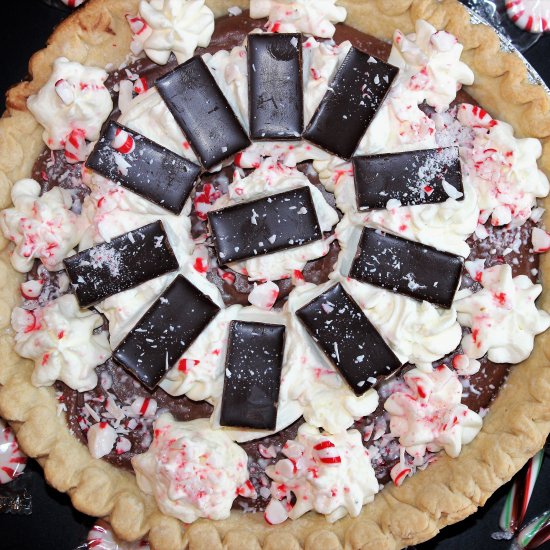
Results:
540 240
31 290
12 459
76 148
140 86
275 512
530 15
123 142
264 295
247 490
65 91
137 24
73 3
101 439
327 453
465 366
101 537
399 473
144 406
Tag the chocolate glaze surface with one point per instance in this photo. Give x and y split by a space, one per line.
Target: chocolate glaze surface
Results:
479 390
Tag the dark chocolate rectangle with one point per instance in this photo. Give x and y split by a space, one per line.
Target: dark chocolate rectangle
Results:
125 262
348 338
263 226
252 375
416 270
412 177
353 97
275 91
202 112
147 168
165 332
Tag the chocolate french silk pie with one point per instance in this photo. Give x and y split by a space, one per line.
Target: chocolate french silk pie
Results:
273 273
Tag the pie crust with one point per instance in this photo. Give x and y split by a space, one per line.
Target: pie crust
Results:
449 490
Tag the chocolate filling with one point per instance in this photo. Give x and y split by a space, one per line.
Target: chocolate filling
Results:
51 169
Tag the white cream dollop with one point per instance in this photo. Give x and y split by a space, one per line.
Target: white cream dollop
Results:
430 71
191 470
230 70
270 178
61 341
426 413
74 98
177 26
331 474
501 168
503 317
327 400
41 226
313 17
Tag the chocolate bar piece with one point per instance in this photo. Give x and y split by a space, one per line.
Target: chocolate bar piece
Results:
353 97
165 332
125 262
263 226
202 112
144 167
275 91
413 177
252 375
407 267
348 338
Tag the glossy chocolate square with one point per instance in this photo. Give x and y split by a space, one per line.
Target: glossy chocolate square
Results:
165 332
144 167
351 102
270 224
123 263
427 176
416 270
348 339
252 375
275 89
202 111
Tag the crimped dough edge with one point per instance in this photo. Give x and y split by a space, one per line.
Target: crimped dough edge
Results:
448 491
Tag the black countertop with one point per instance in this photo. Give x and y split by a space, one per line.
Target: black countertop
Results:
54 523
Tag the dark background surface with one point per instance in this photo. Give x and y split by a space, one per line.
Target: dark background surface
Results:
54 524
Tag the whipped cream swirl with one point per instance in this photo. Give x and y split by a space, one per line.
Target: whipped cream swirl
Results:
430 71
331 474
426 413
313 17
270 178
502 168
177 26
192 471
41 226
503 317
61 341
73 99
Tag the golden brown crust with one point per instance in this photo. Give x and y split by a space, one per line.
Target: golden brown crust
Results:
450 490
